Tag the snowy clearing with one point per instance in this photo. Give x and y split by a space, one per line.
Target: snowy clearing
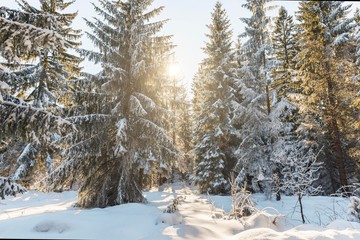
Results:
51 215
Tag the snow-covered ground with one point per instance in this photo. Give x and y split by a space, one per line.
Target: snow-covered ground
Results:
38 215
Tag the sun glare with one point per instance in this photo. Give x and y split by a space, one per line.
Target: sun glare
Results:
173 69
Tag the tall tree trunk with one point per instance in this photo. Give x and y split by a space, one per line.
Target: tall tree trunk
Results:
338 151
334 132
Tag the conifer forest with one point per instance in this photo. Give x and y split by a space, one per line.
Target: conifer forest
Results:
274 109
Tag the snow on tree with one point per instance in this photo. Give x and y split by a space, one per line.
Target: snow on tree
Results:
285 50
284 116
213 129
9 188
26 160
55 66
356 36
254 151
299 174
21 120
354 149
120 129
41 82
326 67
178 122
25 123
354 208
25 34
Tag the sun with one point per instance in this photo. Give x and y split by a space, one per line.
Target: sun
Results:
173 69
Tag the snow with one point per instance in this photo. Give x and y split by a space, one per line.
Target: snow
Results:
4 86
37 215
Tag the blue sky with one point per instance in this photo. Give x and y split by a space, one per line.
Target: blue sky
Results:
188 19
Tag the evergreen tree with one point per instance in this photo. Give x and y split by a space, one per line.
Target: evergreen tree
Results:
9 188
285 50
119 125
213 129
186 161
179 124
55 67
325 71
284 114
46 78
24 35
43 83
354 149
254 152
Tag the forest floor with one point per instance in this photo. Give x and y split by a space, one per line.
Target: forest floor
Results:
36 215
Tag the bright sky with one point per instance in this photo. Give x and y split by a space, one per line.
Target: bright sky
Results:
188 20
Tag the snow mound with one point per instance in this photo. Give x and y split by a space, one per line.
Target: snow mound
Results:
170 219
51 226
261 233
341 224
339 229
218 214
4 86
263 219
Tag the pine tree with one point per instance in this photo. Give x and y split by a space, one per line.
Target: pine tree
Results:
186 161
48 77
254 152
120 133
179 122
354 129
325 71
284 113
48 37
22 36
9 188
41 84
212 148
285 50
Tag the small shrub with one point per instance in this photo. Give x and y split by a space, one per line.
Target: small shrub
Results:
354 208
9 188
173 207
242 204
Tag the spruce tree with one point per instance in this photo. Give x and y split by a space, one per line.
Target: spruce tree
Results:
179 122
254 151
285 50
325 71
120 129
46 79
186 161
354 149
23 36
213 129
43 83
284 114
